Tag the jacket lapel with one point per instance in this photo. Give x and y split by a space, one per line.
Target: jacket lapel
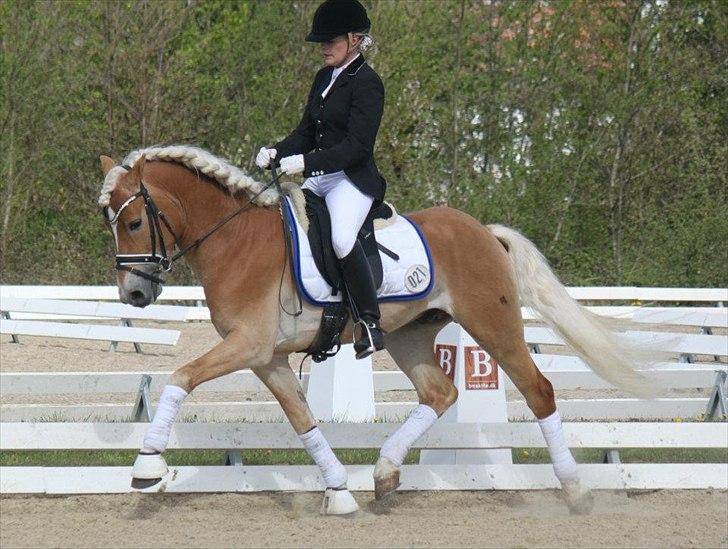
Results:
349 73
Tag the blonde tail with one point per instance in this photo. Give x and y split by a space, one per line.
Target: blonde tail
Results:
605 351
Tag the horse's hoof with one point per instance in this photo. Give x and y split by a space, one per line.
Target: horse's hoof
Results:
143 483
386 478
579 498
338 501
149 467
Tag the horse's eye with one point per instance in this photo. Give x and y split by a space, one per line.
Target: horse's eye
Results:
134 225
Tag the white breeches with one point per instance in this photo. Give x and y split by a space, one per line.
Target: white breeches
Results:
348 208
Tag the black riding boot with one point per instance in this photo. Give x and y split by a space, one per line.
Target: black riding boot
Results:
360 285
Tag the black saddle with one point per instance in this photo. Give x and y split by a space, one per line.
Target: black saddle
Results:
319 237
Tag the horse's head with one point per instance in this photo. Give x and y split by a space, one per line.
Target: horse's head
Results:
138 226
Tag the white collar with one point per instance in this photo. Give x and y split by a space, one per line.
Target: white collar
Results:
335 75
339 70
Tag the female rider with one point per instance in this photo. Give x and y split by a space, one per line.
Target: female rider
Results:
333 147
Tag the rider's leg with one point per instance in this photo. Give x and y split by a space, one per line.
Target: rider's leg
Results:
348 208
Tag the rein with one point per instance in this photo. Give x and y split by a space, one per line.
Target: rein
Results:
164 262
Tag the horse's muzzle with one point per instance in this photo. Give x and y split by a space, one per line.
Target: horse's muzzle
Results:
137 291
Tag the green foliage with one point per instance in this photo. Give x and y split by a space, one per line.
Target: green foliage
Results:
599 129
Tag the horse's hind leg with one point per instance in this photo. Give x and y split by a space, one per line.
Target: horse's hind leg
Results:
492 317
411 347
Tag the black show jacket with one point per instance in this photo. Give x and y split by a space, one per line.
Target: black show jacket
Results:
338 132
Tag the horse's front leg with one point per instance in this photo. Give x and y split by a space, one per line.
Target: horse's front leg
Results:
282 382
235 352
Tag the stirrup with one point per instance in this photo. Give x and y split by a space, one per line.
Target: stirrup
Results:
365 346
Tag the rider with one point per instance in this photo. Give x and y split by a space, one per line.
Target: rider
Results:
333 147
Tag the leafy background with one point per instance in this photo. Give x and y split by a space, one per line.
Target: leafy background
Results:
597 128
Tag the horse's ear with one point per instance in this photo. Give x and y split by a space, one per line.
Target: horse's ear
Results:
106 164
138 168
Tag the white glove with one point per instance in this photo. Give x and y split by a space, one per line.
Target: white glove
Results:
291 165
264 157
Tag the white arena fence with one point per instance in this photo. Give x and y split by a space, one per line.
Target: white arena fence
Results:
25 426
115 436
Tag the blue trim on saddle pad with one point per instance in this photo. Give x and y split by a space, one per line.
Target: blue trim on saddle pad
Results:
296 259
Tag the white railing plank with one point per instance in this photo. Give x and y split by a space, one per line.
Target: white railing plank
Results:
632 293
187 293
564 372
268 411
89 331
94 309
105 293
115 436
715 345
709 317
210 479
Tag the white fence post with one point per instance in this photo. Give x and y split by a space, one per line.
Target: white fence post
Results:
342 388
6 314
482 395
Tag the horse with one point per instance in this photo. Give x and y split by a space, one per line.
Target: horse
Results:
230 229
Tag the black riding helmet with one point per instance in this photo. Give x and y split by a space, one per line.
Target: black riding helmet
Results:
336 17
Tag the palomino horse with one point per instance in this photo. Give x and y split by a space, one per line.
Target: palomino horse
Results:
166 196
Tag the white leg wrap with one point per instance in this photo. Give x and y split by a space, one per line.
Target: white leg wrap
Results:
561 458
318 448
398 444
158 432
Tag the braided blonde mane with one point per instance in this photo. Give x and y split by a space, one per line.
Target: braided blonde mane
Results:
197 159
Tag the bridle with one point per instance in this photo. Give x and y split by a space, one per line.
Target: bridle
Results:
155 218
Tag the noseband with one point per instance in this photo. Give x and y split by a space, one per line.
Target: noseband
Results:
162 260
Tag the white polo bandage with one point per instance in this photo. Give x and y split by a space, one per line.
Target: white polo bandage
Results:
158 432
398 444
561 458
318 448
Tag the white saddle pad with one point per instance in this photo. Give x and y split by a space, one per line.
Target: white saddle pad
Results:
410 277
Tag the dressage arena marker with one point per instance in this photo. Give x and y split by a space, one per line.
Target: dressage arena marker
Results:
481 394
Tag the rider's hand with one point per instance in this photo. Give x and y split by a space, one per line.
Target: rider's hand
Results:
291 165
264 157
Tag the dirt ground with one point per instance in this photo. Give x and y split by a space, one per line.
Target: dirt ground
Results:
697 518
444 519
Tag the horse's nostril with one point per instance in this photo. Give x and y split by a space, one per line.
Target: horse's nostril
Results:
136 295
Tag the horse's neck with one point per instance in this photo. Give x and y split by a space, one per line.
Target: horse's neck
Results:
243 255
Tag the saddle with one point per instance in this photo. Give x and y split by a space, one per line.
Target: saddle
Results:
334 316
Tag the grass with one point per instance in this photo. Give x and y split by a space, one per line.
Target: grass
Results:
62 458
